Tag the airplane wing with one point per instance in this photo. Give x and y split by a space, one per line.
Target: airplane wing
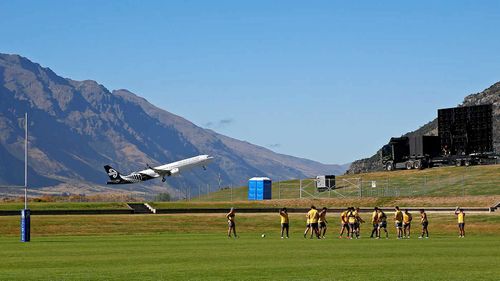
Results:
160 172
164 172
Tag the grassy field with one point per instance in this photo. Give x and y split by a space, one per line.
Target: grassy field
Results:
435 182
213 257
194 247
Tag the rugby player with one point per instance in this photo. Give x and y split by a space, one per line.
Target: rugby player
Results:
374 222
398 220
407 218
308 225
322 222
425 224
459 212
231 223
359 221
284 222
382 223
344 223
351 219
313 216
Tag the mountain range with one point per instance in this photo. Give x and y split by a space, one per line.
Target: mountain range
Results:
76 127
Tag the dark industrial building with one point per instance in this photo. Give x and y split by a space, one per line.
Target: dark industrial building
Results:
466 130
465 137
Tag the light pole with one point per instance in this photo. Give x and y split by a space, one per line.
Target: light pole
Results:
25 213
26 161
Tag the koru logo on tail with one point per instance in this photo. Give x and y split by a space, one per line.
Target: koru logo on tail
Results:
113 173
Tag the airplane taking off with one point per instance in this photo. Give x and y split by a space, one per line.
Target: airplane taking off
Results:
162 171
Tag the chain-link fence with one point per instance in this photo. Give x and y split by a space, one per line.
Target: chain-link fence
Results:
351 186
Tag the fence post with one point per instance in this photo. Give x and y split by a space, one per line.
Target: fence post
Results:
279 189
463 185
360 185
329 188
388 187
300 188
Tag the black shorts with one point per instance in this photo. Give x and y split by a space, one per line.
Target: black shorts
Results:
406 224
352 226
382 224
308 225
314 225
322 224
399 224
231 224
344 224
356 225
425 224
461 224
375 225
284 225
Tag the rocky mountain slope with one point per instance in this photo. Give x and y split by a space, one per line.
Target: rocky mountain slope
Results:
488 96
76 127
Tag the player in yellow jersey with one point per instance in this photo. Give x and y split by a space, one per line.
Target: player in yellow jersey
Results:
407 218
382 223
344 223
459 212
357 224
313 216
425 224
351 219
398 220
374 222
322 222
231 223
308 225
285 226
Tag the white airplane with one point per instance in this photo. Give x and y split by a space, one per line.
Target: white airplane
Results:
162 171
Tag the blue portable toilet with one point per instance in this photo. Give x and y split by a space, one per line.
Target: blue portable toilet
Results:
259 189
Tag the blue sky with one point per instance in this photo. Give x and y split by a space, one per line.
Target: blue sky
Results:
326 80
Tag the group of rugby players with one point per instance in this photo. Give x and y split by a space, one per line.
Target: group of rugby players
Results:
316 222
350 222
350 219
402 221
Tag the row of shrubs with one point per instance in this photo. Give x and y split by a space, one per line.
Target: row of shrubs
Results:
105 197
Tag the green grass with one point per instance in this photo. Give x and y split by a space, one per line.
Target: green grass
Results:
214 257
194 247
439 181
64 205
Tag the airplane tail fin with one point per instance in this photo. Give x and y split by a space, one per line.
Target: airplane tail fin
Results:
113 174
